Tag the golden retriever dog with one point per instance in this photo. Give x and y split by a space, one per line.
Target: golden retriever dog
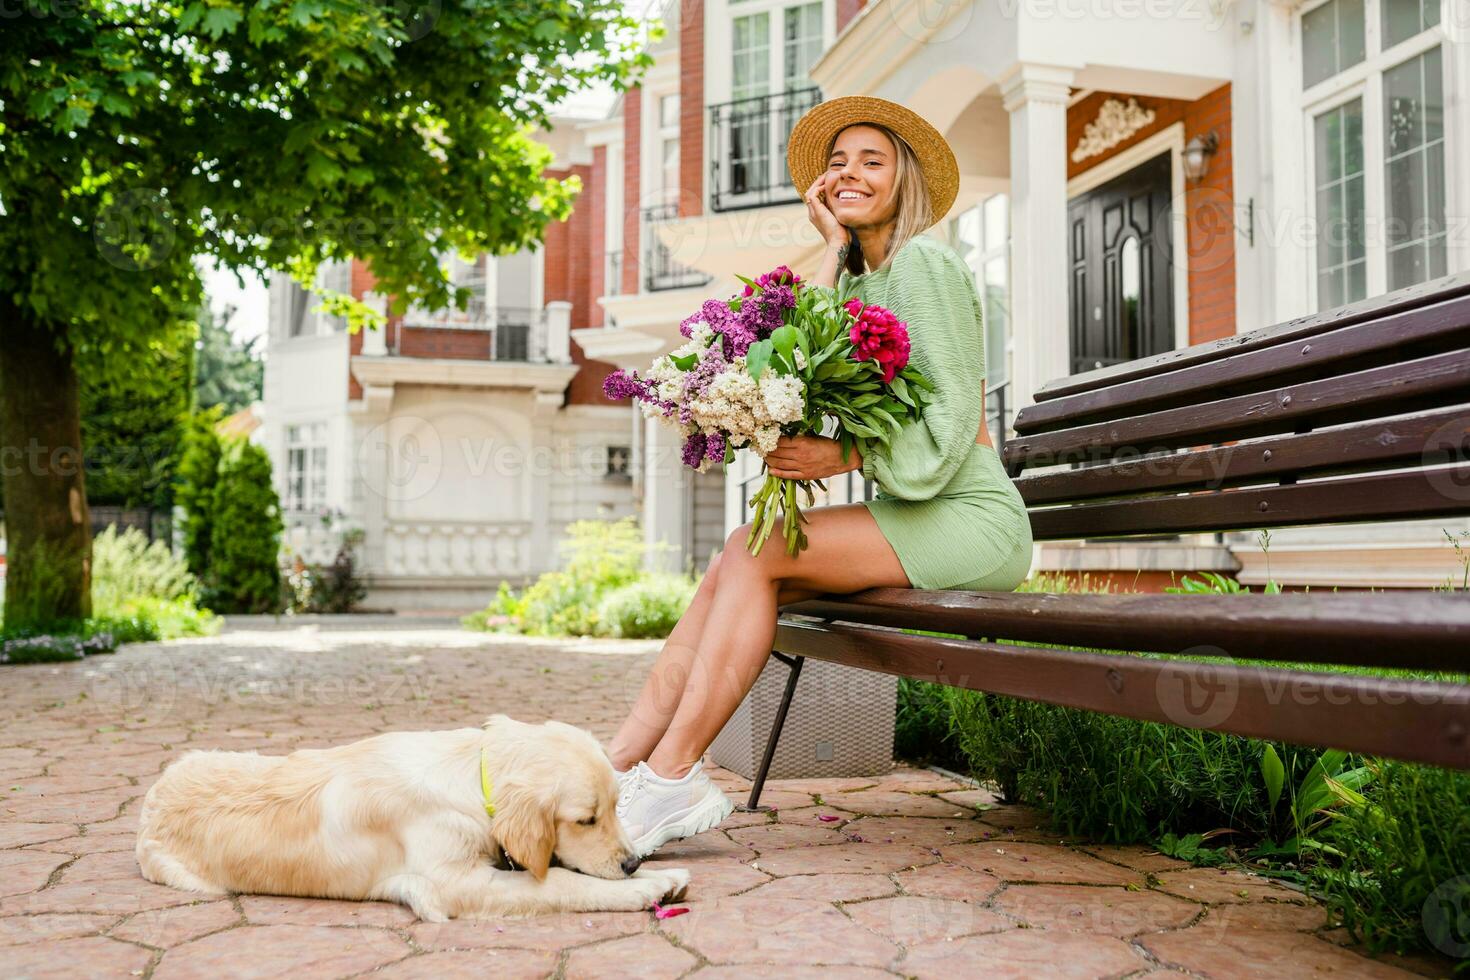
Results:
402 817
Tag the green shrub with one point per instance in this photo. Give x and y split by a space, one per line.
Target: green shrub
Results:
600 558
645 608
335 587
127 566
243 576
167 618
1403 881
195 493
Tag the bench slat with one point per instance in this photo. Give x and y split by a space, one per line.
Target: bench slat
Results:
1414 495
1443 434
1416 721
1374 308
1418 631
1386 390
1409 334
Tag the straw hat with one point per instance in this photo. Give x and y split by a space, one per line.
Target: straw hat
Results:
806 151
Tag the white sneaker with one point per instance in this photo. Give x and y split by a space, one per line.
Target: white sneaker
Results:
655 810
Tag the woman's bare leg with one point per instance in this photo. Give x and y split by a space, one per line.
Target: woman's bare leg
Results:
846 553
659 697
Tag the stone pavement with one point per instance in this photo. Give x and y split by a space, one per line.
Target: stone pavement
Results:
907 873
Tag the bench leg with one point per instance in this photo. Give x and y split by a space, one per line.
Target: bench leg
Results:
793 664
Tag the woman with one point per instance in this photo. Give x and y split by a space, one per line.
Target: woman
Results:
946 516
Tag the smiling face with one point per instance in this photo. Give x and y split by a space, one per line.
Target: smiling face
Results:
862 177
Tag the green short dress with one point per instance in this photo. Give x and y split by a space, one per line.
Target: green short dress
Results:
944 501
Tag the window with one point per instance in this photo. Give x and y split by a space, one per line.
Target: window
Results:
668 135
306 466
751 52
618 460
802 44
982 237
1373 95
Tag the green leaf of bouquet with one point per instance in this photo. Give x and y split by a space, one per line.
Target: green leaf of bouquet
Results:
915 378
784 338
685 361
749 282
900 389
757 357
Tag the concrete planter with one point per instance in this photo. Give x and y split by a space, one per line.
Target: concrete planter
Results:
840 724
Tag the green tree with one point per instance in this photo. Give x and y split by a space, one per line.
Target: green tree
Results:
244 575
133 419
229 373
136 135
198 476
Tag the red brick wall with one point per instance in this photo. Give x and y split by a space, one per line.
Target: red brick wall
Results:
572 257
468 345
632 160
846 11
596 202
691 108
1208 205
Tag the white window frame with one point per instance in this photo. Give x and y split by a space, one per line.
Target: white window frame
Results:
310 438
1365 80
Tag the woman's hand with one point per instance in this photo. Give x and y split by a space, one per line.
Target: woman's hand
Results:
833 232
810 458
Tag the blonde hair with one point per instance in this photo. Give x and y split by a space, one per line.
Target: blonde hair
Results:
913 208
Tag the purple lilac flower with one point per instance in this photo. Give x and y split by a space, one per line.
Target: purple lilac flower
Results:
761 314
622 384
714 446
694 449
714 312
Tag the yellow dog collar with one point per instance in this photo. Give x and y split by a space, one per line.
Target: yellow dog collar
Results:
485 783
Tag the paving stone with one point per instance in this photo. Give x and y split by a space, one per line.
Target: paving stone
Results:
875 803
103 866
776 836
792 971
18 930
1252 953
277 951
1012 861
914 781
22 872
117 896
43 786
66 959
716 877
646 956
472 964
741 818
911 921
827 888
19 834
262 910
949 880
1024 954
1137 858
1273 916
540 932
970 798
751 930
708 845
1088 908
926 832
846 859
172 926
1216 886
89 843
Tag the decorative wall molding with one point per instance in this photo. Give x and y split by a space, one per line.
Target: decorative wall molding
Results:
1115 122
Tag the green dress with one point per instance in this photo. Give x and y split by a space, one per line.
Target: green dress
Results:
944 503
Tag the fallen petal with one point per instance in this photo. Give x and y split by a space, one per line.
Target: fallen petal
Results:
659 912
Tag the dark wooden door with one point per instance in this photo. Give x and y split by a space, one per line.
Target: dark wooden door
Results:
1122 289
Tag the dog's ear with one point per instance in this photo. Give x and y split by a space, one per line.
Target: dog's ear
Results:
525 826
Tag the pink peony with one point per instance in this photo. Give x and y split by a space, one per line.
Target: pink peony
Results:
880 336
779 276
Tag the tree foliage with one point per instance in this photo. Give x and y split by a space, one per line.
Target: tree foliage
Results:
228 373
138 136
198 476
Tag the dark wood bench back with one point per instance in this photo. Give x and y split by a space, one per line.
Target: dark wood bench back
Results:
1356 414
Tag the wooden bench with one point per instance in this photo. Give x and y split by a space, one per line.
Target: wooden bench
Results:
1357 414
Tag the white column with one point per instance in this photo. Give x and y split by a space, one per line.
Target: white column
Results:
1036 98
559 332
375 342
544 546
664 487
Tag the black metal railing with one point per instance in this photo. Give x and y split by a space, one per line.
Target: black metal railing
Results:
660 271
748 148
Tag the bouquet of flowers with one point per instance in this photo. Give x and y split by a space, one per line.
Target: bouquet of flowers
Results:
780 360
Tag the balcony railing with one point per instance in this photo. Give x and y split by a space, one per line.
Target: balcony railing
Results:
660 271
748 149
511 333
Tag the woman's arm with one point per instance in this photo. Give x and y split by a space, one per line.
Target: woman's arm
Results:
934 292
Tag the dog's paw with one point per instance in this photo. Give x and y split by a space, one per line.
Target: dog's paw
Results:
673 882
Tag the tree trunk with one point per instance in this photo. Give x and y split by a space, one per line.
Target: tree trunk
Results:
48 535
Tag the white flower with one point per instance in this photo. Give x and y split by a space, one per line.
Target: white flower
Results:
799 357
